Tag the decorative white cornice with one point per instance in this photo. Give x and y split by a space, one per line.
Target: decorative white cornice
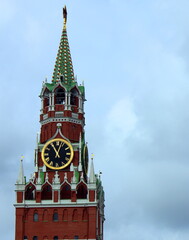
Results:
51 204
65 119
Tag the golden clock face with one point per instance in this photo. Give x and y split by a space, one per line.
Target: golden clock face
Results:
57 153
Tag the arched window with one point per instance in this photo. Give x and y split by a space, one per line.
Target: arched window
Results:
59 96
65 192
74 97
76 237
30 192
82 192
46 193
35 238
55 238
55 216
25 238
35 217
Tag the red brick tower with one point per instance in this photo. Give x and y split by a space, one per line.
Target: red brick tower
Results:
60 200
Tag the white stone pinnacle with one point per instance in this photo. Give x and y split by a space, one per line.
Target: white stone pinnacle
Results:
92 177
21 179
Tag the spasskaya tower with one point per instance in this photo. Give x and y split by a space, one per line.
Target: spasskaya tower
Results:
60 200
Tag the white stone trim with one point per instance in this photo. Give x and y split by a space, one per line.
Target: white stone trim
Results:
65 119
45 116
32 204
75 115
59 114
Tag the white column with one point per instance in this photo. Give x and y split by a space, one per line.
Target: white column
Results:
69 98
80 110
42 99
66 100
52 108
50 101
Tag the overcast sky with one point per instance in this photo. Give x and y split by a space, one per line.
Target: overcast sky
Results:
134 59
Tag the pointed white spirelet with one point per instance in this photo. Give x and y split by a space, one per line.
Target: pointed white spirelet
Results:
92 177
21 179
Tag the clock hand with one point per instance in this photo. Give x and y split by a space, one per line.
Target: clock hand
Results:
57 152
57 155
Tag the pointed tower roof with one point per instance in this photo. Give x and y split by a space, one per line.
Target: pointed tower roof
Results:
63 70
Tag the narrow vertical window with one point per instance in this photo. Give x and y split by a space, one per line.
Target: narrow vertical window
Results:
35 238
76 237
35 217
55 217
55 238
25 238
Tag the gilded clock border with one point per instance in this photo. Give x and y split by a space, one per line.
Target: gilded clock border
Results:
54 140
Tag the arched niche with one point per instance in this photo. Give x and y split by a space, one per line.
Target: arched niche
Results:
65 215
46 192
65 192
30 192
85 215
81 191
75 215
45 215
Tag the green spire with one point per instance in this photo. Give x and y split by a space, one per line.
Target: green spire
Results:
63 70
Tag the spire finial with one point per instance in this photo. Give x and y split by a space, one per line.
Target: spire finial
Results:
65 14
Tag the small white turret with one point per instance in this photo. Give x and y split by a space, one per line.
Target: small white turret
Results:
21 179
92 177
